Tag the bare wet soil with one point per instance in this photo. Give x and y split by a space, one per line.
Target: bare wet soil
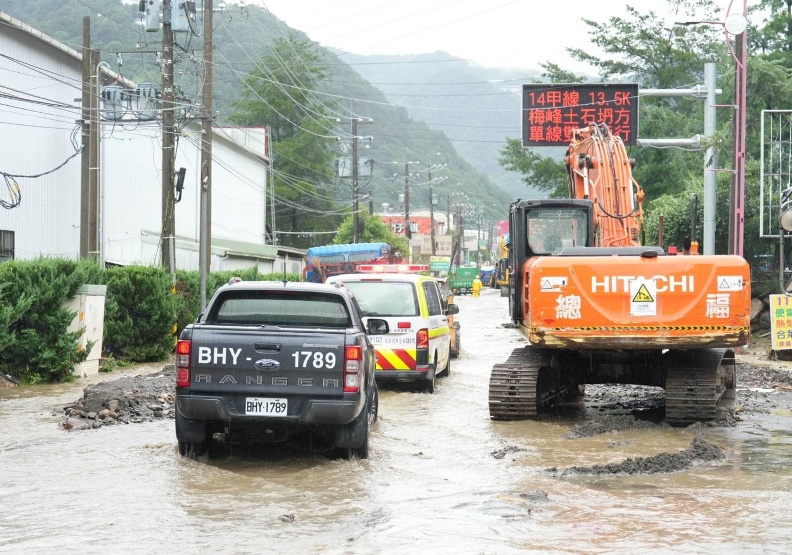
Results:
607 476
764 386
762 389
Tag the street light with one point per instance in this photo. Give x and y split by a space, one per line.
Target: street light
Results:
736 24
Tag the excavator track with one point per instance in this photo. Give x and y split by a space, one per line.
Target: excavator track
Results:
520 387
696 381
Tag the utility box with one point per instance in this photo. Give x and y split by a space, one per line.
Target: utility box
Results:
151 12
89 304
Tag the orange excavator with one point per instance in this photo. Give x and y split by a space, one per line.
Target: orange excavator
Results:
597 306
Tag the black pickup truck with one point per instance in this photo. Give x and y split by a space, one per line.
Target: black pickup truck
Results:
273 361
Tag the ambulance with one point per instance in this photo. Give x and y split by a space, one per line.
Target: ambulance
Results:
418 345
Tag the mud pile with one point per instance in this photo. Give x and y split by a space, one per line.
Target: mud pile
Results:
699 451
762 389
124 400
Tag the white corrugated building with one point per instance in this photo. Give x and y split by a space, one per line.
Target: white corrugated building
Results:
40 79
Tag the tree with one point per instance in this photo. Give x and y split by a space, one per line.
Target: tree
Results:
278 94
542 173
772 38
553 73
642 46
639 47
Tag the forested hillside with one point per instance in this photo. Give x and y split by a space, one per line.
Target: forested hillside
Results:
242 36
475 107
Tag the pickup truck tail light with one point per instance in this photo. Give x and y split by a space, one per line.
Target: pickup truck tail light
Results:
183 348
353 368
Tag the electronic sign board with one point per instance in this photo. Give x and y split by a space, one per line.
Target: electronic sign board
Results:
551 111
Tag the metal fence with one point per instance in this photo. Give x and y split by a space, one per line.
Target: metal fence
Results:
776 168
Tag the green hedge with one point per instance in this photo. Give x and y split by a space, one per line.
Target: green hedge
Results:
144 311
140 312
34 343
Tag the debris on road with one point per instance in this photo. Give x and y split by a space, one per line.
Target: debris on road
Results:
125 400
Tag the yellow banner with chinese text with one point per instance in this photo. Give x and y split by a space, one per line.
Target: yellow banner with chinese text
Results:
781 321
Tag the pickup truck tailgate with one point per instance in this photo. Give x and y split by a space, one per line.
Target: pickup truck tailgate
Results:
272 362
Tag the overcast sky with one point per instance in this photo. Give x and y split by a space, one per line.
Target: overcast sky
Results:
493 33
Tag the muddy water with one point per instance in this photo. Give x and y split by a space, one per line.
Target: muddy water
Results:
442 478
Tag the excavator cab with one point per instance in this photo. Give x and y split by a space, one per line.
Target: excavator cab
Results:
553 225
541 228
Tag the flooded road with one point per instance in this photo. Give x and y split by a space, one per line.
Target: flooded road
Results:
442 478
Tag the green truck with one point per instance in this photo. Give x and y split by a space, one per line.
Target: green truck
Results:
460 279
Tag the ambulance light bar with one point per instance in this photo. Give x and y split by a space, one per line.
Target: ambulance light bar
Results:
393 268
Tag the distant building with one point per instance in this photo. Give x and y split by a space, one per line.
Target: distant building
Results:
421 231
47 76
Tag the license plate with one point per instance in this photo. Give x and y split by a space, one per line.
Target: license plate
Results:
402 340
266 406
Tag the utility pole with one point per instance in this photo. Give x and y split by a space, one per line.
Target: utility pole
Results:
448 210
168 235
460 235
407 231
356 175
737 197
89 184
478 242
205 247
355 215
431 210
433 201
271 183
87 208
710 162
93 154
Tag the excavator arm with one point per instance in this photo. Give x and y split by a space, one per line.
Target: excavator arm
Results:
600 170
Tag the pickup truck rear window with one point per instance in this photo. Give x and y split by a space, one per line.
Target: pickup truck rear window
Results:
280 308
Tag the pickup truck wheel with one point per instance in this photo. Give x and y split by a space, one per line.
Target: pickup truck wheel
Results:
193 449
192 436
374 407
363 424
361 452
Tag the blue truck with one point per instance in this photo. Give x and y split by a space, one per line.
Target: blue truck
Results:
331 260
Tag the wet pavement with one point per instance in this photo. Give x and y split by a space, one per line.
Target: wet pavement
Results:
442 478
